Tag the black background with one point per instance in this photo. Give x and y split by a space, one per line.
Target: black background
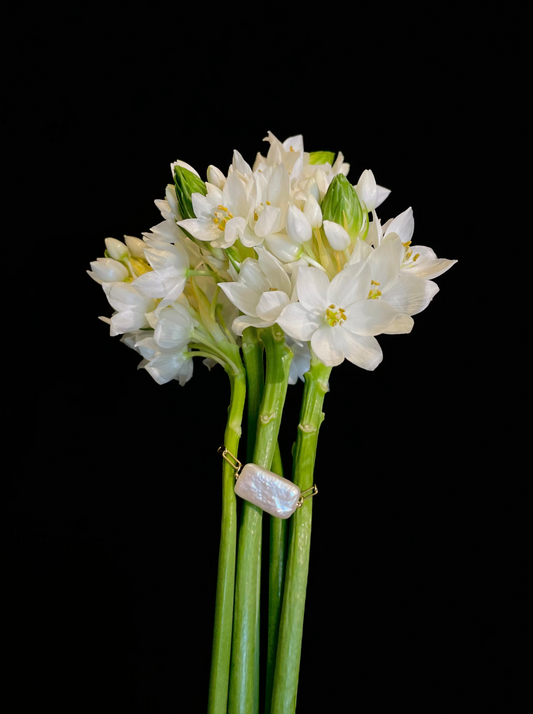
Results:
418 585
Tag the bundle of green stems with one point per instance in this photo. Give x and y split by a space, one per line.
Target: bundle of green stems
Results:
239 682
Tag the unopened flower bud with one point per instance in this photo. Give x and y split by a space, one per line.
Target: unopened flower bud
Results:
216 177
341 205
136 246
321 157
116 249
299 229
107 270
337 237
187 183
313 212
283 248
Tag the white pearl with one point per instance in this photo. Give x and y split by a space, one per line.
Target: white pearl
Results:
272 493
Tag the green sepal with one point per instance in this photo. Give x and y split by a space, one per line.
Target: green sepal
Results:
186 183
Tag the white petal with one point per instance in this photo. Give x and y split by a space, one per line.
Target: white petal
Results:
173 288
337 236
426 266
382 195
375 232
234 229
411 294
234 195
166 231
364 352
312 286
402 325
313 212
298 322
127 321
367 190
283 248
216 177
361 252
240 165
243 321
168 366
109 270
249 238
168 263
200 228
136 246
403 225
274 271
175 327
373 317
202 206
252 276
278 189
267 221
349 286
116 248
124 296
327 345
150 284
298 227
271 304
184 165
241 296
296 143
385 263
147 347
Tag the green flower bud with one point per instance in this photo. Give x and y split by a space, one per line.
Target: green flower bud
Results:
321 157
341 205
186 184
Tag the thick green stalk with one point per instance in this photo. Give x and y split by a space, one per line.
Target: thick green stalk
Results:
242 693
276 579
221 653
252 350
292 614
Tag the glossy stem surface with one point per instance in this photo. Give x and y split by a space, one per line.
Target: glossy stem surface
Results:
243 694
253 356
223 626
276 577
288 654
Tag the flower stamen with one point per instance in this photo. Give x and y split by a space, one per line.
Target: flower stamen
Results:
335 316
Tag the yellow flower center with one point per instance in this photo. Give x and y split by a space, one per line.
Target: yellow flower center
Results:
335 315
373 293
222 216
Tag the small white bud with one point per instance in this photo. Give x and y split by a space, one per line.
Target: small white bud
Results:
107 270
313 212
298 227
216 177
116 248
284 249
338 238
136 246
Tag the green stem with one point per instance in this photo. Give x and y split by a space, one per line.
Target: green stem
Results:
276 577
292 615
221 653
242 694
252 349
202 273
252 352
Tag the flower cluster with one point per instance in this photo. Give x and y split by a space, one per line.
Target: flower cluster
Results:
287 241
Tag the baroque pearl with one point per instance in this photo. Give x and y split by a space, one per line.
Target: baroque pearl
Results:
272 493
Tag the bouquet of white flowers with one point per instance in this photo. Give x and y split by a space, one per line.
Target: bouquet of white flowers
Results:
277 271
